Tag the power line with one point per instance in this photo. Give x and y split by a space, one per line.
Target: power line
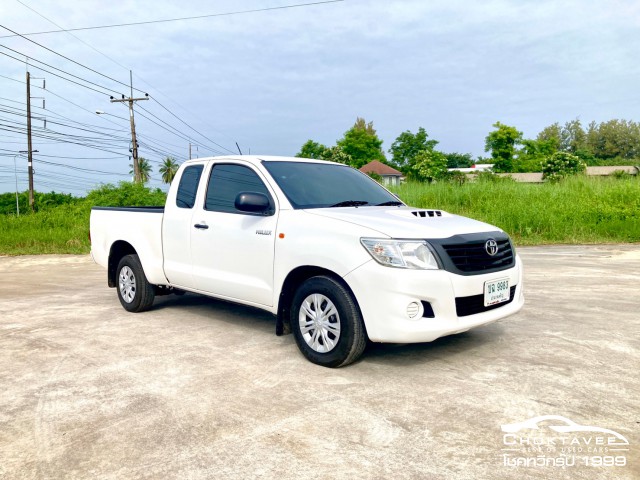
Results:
60 76
73 167
110 134
27 57
116 62
13 79
54 134
74 104
168 128
201 134
10 128
66 58
148 22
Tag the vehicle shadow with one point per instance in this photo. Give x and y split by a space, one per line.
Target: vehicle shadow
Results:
392 354
445 348
218 310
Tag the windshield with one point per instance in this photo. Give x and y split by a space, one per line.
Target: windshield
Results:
320 185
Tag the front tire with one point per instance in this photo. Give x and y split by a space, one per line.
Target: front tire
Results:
326 323
135 293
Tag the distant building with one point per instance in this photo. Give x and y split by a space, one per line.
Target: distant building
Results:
390 176
476 167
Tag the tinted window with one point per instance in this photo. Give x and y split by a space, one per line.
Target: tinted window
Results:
186 197
226 182
318 185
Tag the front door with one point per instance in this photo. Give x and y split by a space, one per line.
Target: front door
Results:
233 251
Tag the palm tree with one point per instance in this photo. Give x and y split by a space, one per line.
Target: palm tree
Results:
145 169
168 169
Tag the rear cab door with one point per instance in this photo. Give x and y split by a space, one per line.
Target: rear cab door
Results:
177 225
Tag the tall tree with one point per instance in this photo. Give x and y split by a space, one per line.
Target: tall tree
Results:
502 145
552 135
318 151
573 137
145 169
362 144
168 169
459 160
406 147
614 138
569 137
313 150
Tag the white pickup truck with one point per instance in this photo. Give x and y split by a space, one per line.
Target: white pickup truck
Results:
336 257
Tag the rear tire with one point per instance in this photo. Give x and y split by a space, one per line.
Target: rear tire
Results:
135 293
326 323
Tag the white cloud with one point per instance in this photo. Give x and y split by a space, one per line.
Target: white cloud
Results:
271 80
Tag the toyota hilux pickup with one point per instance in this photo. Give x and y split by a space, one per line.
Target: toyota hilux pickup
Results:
337 258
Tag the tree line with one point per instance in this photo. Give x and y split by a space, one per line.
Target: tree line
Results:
614 142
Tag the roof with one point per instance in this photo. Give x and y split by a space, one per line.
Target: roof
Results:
257 159
380 168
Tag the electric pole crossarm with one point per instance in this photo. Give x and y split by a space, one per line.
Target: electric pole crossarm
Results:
114 100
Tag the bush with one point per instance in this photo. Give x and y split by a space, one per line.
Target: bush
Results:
561 165
620 174
126 194
456 176
430 165
42 201
490 177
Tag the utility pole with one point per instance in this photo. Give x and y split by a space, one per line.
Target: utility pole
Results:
29 144
134 144
189 150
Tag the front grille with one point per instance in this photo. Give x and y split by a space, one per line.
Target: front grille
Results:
466 306
472 257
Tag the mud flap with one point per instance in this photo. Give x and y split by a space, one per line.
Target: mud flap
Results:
282 327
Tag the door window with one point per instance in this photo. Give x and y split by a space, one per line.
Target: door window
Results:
186 197
226 182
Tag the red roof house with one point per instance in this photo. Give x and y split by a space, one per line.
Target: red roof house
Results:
390 176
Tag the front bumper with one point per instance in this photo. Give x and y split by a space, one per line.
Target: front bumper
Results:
384 293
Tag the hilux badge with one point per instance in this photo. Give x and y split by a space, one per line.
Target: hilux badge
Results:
491 246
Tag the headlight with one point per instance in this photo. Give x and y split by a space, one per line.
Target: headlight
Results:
414 254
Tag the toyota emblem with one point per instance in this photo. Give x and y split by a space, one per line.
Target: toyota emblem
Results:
491 246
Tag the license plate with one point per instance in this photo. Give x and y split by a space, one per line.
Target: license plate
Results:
496 291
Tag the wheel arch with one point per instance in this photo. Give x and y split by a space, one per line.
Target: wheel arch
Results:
118 250
294 279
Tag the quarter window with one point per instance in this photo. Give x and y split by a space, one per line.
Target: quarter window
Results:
186 197
226 182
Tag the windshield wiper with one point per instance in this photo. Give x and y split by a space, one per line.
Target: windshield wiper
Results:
389 204
350 203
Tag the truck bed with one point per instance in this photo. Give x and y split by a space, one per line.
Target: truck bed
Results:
130 228
133 209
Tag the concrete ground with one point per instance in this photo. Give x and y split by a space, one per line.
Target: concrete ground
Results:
198 388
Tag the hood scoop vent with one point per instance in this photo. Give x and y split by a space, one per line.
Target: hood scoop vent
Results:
426 213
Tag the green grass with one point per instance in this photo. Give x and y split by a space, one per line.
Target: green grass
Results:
61 224
61 229
577 210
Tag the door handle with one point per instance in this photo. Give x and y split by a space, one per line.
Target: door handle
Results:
201 226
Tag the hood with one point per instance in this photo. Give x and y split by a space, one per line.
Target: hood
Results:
406 222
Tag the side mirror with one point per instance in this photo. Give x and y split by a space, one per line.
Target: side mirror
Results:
252 202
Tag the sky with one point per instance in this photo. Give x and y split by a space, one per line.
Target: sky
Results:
270 80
